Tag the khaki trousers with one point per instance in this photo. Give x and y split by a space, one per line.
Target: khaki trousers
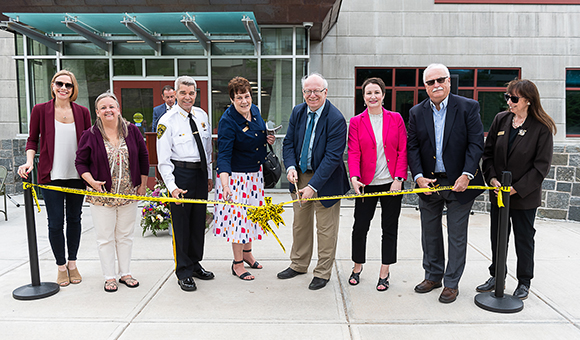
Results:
327 221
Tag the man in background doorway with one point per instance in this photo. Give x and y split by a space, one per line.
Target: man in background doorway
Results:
168 95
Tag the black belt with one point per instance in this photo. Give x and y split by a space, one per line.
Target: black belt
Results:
440 175
187 165
308 172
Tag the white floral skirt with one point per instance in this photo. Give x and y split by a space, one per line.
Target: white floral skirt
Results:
231 222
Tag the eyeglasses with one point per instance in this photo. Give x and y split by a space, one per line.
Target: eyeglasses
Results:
315 92
439 80
59 84
514 99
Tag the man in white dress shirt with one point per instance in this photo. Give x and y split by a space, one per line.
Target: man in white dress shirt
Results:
184 153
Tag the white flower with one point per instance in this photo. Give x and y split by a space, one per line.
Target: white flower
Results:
160 218
152 218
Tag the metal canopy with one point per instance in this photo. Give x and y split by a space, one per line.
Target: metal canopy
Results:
86 32
153 28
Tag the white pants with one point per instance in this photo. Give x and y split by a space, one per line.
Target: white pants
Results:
114 227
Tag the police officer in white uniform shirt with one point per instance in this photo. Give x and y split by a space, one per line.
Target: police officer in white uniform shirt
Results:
184 154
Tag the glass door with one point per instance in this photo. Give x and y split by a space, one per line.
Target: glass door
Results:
141 96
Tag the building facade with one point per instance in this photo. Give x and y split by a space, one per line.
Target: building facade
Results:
484 44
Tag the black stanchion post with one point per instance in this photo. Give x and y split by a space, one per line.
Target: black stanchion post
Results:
37 289
502 238
497 301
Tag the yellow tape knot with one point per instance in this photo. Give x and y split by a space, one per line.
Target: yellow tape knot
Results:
265 213
28 185
500 197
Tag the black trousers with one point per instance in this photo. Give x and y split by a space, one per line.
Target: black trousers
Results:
364 210
61 206
189 222
522 222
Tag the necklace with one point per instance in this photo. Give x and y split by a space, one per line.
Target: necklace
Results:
515 126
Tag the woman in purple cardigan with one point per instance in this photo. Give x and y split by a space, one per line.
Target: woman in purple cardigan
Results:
55 128
112 157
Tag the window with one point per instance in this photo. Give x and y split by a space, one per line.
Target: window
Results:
82 48
40 72
192 67
276 91
93 78
22 113
277 41
182 48
223 70
405 88
127 67
132 48
573 102
159 67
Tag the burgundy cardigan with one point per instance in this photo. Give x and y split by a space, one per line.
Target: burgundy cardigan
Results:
42 125
92 156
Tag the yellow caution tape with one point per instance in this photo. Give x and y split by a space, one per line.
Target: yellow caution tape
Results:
261 214
34 196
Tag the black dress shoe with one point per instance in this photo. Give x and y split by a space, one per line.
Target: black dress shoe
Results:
187 284
488 286
203 274
288 273
522 291
317 283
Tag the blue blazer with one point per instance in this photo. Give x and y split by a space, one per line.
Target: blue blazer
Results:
241 144
158 111
327 151
462 143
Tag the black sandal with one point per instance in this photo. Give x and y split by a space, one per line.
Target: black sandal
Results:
354 276
383 282
254 265
111 286
243 275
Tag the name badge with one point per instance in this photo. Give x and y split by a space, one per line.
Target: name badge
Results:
501 133
245 129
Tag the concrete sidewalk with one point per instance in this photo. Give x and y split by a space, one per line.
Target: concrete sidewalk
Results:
269 308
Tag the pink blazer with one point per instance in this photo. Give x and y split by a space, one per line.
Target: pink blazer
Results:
362 153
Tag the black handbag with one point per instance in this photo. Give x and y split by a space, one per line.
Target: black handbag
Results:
272 169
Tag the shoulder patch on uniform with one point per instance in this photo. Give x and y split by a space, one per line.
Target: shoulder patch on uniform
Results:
160 130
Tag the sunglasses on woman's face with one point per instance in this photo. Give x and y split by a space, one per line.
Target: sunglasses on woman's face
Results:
60 84
514 99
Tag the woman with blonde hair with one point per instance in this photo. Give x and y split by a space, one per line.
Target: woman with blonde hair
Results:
55 130
112 157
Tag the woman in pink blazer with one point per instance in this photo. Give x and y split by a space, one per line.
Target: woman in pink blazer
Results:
377 161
